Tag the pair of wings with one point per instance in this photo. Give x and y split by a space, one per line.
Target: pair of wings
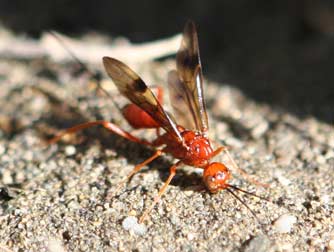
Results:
185 87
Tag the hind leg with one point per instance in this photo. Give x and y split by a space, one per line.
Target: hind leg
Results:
107 125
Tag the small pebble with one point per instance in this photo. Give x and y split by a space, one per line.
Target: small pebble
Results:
131 224
70 150
260 129
7 177
259 244
188 192
325 199
284 223
286 247
2 149
133 213
55 246
331 245
190 236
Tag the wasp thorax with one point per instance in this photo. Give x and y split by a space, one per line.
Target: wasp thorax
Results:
199 149
197 144
215 177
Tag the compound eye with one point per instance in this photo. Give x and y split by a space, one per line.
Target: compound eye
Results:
220 176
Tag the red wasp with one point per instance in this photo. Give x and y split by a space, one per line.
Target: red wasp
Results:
186 134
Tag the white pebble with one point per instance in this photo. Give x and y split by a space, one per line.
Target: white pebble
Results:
70 150
325 199
131 224
55 245
284 223
2 149
260 129
190 236
331 245
7 177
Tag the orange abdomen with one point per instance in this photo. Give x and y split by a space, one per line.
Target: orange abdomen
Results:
138 118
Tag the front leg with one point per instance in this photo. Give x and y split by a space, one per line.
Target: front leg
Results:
136 169
172 172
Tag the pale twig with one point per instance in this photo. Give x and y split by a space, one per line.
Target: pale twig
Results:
88 51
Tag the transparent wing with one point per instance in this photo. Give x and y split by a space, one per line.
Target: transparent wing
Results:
191 78
133 87
178 98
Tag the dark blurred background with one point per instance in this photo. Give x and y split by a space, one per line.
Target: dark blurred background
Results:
278 52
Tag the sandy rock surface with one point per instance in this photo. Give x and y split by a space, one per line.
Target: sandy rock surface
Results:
53 198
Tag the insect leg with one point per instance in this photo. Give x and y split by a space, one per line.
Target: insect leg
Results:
218 150
108 125
135 170
162 190
242 172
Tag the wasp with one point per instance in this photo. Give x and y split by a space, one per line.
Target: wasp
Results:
185 134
